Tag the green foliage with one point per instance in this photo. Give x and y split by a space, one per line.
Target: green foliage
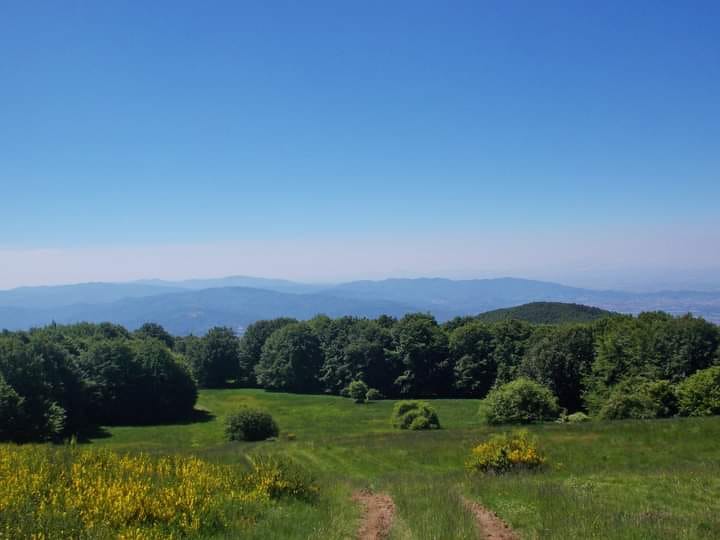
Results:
373 395
249 424
11 411
291 360
251 344
505 452
414 415
421 347
156 331
358 390
699 394
214 359
471 350
561 358
577 418
639 399
521 401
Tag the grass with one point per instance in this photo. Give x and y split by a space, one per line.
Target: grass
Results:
613 480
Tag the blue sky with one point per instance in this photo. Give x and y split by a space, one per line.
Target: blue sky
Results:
337 140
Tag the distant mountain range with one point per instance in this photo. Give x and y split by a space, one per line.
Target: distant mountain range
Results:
196 305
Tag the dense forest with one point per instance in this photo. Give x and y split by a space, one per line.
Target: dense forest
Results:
61 380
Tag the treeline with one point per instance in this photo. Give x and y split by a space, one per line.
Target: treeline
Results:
417 357
61 379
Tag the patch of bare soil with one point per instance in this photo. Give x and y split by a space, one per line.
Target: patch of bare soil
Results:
490 525
378 515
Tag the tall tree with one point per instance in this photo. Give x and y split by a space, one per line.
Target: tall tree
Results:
291 360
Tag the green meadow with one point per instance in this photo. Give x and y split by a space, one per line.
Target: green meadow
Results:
623 479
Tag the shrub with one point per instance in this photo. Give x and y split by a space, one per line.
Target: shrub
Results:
639 399
521 401
503 453
358 391
415 415
699 394
70 492
250 425
373 395
577 418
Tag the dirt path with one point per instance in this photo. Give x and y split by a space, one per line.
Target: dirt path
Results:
378 514
491 526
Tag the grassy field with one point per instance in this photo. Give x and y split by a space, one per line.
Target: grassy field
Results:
635 479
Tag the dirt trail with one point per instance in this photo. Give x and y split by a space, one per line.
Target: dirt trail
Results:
491 527
378 515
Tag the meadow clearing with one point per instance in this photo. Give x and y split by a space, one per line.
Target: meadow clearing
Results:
618 480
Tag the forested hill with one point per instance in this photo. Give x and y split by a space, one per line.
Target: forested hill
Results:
546 313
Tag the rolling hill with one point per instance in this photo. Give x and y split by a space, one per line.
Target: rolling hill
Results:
546 313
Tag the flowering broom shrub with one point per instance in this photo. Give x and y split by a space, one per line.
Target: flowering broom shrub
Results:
504 453
76 493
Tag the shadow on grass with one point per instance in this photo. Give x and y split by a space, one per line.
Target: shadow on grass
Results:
91 433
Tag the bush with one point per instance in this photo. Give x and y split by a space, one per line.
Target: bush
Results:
576 418
358 390
414 415
639 399
503 453
521 401
373 395
250 425
699 394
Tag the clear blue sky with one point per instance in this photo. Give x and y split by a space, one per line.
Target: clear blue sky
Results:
269 127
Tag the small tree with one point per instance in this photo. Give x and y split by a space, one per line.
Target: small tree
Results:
250 424
373 395
699 394
521 401
358 391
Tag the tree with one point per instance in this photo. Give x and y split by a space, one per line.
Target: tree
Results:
358 391
290 360
699 395
154 330
251 344
521 401
114 381
471 349
561 358
11 412
421 347
510 341
168 391
215 359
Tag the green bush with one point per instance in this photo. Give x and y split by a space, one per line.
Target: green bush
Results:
414 415
699 394
373 395
521 401
577 418
358 390
250 425
639 399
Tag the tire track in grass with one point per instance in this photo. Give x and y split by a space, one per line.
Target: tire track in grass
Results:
378 515
490 525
